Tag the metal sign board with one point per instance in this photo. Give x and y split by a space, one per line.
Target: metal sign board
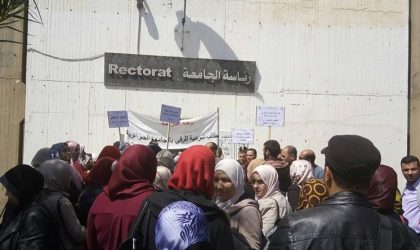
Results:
142 71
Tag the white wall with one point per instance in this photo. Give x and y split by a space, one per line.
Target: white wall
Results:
338 67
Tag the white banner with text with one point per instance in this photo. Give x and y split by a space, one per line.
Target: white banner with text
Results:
196 131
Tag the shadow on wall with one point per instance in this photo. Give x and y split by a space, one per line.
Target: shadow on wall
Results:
149 20
189 38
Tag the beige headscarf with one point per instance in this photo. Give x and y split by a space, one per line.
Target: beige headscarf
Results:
252 165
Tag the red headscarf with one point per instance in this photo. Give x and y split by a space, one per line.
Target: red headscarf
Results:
134 173
109 151
194 171
101 172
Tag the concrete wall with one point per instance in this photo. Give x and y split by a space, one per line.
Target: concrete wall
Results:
338 67
414 132
12 97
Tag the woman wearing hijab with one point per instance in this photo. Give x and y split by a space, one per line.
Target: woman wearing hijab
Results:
97 178
40 157
57 180
182 226
192 181
166 165
272 203
300 171
312 193
305 191
28 225
249 190
162 177
115 210
60 151
109 151
243 213
74 151
382 189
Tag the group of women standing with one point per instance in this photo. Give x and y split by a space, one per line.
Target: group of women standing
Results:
204 202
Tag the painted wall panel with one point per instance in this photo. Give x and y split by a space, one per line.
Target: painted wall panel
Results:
336 66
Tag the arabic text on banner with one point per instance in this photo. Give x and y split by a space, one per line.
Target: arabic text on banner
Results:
195 131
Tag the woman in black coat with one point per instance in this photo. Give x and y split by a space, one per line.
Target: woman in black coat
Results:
26 224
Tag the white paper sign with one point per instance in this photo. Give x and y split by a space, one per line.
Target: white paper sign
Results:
117 119
170 114
243 136
225 143
270 116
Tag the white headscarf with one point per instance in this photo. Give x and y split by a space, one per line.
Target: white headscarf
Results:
270 178
301 171
236 175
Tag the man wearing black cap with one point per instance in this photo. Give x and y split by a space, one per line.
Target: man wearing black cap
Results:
345 220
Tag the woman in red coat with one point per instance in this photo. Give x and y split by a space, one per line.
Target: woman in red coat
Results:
114 210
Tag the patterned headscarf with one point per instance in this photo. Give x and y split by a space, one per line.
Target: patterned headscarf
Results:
180 225
72 148
194 171
270 178
300 172
55 150
312 193
236 175
162 176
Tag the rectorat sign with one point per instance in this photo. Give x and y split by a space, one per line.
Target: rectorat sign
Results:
163 72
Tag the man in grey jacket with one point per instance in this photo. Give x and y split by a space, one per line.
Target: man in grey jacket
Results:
345 220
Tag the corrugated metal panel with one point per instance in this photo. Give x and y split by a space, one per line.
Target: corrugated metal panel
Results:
336 66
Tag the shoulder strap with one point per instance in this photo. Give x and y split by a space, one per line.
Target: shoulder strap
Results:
137 223
130 243
278 208
385 233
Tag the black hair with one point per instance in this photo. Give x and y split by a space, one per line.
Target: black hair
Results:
410 159
352 182
243 150
253 150
273 148
291 150
212 145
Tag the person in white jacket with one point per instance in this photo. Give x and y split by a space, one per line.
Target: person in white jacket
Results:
272 203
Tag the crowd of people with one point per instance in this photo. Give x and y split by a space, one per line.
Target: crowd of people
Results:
143 197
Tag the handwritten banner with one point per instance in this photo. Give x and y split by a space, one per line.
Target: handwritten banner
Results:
270 116
243 136
117 119
170 114
195 131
